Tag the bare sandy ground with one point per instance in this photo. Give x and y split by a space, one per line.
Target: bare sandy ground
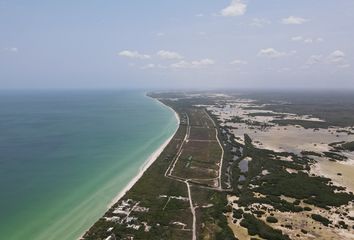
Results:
296 139
341 173
291 138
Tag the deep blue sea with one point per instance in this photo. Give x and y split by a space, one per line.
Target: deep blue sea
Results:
64 155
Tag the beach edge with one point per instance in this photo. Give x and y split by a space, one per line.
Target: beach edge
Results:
149 161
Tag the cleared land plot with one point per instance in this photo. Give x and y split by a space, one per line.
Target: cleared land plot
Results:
198 117
199 160
201 133
200 156
206 152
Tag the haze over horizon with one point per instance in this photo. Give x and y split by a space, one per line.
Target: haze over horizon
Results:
179 44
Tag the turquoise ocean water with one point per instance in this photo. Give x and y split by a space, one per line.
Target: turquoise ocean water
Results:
64 155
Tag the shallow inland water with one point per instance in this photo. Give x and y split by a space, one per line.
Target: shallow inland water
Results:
64 155
243 165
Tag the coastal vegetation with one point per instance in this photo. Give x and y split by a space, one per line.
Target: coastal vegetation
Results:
186 193
162 192
349 146
328 107
320 219
265 114
303 123
272 185
258 227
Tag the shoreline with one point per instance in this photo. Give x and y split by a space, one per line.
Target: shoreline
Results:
147 163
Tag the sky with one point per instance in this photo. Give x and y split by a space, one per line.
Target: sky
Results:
180 44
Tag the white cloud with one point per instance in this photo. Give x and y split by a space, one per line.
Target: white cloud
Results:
160 34
297 38
199 15
10 49
336 57
148 66
294 20
306 40
259 22
344 65
272 53
163 54
236 8
205 61
239 62
133 54
314 59
283 70
180 64
194 64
